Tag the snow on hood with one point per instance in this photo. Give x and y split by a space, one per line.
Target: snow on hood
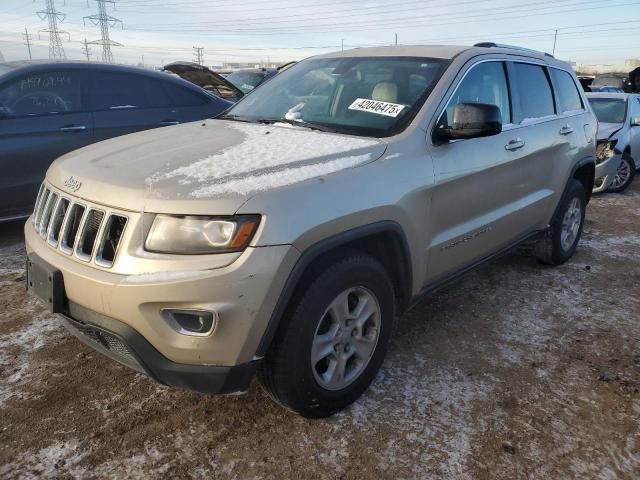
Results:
269 156
212 165
606 130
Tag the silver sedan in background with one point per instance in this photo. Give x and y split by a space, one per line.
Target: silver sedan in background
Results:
618 139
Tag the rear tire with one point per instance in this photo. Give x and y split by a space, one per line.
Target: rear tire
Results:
561 239
624 175
333 337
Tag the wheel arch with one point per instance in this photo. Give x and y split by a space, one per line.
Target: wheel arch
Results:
385 241
584 171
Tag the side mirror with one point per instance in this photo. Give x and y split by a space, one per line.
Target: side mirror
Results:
472 120
635 121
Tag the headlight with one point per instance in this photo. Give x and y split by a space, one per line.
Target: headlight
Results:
197 235
605 150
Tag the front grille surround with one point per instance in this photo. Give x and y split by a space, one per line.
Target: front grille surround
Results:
78 229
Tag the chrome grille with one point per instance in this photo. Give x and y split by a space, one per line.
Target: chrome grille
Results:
88 233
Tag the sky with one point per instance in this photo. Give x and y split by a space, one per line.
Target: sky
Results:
157 32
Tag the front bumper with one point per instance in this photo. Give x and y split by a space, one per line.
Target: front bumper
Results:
605 173
123 344
243 295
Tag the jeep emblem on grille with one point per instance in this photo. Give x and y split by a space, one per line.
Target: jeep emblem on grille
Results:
72 184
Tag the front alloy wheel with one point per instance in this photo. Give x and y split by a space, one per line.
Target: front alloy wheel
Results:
333 337
346 338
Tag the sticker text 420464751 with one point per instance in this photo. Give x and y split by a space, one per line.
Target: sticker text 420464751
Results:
374 106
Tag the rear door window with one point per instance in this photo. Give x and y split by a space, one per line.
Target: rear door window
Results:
484 83
535 97
44 93
119 91
568 97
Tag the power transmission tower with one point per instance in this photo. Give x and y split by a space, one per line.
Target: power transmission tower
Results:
56 50
27 37
199 55
104 20
86 50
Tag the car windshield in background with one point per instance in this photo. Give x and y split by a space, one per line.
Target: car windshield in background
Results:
245 81
609 110
369 96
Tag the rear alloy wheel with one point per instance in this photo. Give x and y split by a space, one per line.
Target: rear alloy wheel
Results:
624 175
561 239
333 337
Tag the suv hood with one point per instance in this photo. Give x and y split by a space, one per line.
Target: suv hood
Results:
209 167
607 130
205 78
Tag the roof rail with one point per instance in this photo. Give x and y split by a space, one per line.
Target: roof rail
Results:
511 47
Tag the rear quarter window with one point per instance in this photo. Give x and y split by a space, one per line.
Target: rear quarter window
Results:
568 97
535 97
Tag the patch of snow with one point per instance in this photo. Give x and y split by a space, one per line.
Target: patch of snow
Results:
269 153
26 340
612 245
288 176
54 461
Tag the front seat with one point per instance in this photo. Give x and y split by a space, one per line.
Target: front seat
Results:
385 92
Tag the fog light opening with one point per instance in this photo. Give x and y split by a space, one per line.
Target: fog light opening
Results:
196 323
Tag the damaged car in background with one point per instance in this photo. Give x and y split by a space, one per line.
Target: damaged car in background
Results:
618 137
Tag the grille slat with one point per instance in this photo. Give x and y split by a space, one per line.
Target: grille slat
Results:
108 247
90 233
57 221
46 214
43 201
90 230
37 205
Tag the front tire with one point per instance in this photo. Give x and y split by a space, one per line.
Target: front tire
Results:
333 337
561 239
624 175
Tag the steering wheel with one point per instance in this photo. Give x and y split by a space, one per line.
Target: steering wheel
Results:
35 101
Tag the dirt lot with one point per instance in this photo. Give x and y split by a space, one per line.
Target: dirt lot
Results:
518 371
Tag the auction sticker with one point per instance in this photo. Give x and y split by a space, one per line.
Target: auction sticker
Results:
374 106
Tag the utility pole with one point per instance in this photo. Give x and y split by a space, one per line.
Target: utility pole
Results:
555 40
343 44
104 20
56 50
396 39
27 37
198 52
86 50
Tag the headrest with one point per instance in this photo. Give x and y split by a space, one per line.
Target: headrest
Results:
385 92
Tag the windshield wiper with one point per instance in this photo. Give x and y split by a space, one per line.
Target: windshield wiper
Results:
299 123
236 118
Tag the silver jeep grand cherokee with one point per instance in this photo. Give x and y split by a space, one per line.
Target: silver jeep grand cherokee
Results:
285 237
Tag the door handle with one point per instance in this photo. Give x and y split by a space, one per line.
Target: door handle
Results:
169 122
566 130
514 144
73 128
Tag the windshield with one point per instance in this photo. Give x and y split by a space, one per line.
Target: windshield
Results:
245 81
369 96
609 110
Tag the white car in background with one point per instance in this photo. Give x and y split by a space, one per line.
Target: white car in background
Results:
618 139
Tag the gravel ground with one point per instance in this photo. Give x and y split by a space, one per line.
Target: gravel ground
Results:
517 371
